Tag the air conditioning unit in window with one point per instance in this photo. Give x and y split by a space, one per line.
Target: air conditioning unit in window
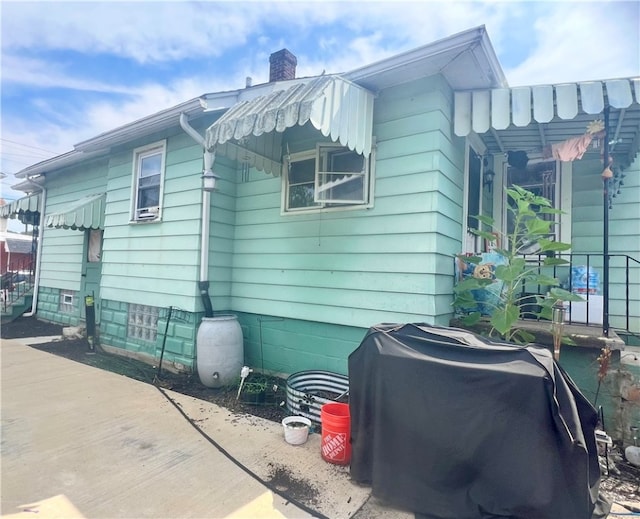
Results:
148 213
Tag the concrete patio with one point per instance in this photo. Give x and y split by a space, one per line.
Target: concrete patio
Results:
82 442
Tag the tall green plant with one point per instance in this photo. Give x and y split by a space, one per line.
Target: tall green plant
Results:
529 213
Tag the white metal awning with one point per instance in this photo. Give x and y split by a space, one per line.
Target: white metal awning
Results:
26 209
336 107
532 117
16 208
86 213
499 108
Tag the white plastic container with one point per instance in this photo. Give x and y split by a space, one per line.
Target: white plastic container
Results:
219 349
296 429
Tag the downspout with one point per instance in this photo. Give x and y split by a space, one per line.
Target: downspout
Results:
209 157
36 282
605 230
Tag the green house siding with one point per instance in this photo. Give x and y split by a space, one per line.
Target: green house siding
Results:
355 268
624 239
63 249
155 263
221 231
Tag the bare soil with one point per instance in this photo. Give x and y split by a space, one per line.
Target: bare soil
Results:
622 485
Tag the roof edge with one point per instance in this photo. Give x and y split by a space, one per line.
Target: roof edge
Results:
61 161
476 36
154 122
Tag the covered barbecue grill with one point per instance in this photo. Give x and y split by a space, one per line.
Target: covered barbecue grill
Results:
452 426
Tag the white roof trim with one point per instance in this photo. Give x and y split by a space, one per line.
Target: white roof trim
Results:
335 106
481 110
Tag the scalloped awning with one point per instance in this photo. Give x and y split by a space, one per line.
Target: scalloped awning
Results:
531 118
28 204
482 110
86 213
336 107
26 209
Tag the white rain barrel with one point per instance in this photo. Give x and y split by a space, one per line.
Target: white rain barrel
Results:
219 350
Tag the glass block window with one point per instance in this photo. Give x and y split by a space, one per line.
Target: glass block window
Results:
143 322
66 305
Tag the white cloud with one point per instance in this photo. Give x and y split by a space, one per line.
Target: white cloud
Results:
143 31
46 74
558 41
577 44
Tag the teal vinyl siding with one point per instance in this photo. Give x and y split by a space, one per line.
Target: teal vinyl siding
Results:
221 231
155 263
624 238
63 249
391 262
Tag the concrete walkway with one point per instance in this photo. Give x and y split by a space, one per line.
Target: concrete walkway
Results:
82 442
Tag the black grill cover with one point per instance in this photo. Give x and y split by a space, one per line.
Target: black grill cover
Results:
450 425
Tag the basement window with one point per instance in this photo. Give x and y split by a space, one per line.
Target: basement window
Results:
66 304
142 323
148 179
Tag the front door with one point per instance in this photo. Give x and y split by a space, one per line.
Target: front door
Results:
91 271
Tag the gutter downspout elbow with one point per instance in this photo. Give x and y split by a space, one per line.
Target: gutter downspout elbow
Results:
209 158
190 130
36 281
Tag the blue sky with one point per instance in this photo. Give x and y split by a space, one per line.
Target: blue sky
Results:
71 70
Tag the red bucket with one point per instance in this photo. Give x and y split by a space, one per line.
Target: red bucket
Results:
336 433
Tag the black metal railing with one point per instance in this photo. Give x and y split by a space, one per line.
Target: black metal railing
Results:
583 275
17 281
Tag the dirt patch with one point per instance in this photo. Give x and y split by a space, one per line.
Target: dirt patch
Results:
29 327
300 489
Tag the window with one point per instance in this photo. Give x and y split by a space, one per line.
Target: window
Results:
474 203
549 179
332 176
67 302
94 246
143 323
148 174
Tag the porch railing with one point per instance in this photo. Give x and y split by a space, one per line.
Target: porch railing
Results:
584 275
16 281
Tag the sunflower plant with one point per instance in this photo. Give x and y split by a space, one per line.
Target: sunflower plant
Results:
533 219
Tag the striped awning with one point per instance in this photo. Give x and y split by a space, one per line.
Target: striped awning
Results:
336 107
26 209
86 213
28 204
498 109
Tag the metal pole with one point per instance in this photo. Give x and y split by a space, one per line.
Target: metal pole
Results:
605 231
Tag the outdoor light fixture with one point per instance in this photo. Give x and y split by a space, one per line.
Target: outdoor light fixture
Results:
487 181
557 325
209 180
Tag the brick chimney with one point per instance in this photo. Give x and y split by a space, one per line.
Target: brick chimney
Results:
282 66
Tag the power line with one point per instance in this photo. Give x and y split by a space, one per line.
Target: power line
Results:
36 156
29 146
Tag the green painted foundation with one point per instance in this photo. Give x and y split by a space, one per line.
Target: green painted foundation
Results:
179 342
48 308
619 392
287 346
